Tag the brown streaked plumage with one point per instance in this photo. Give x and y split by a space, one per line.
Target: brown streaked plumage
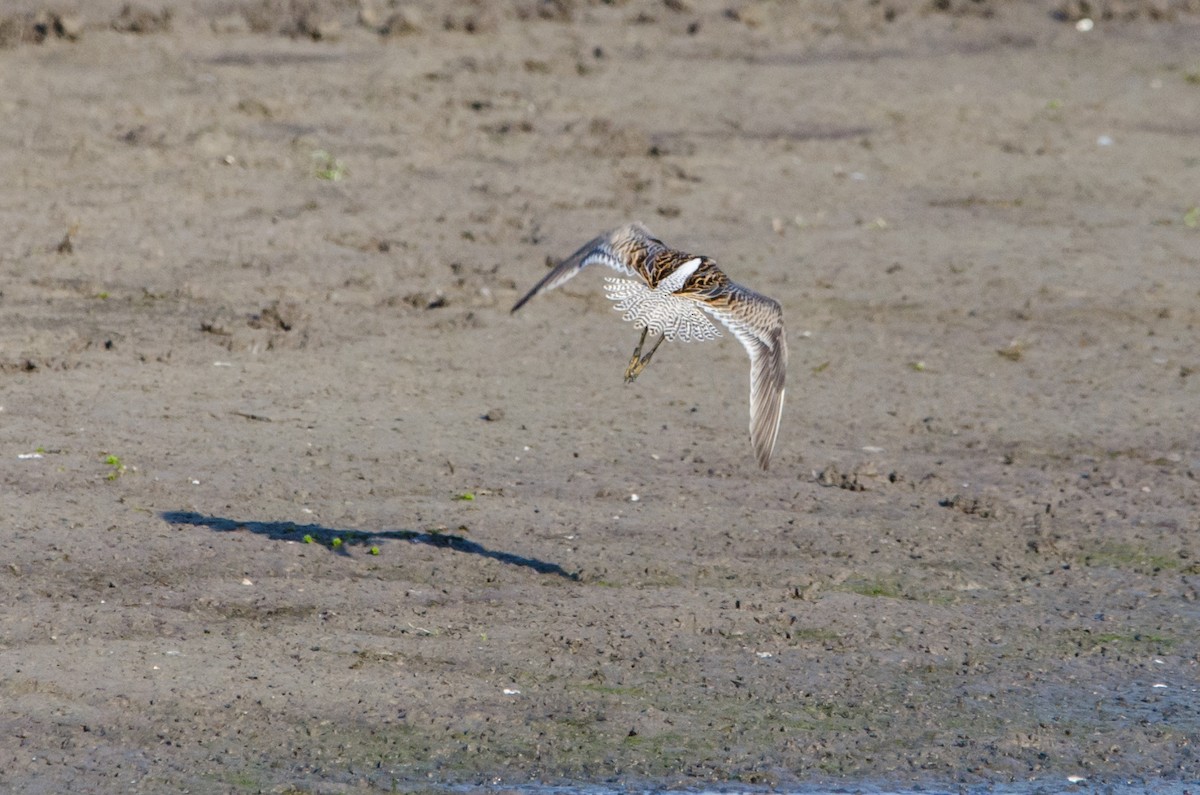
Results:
672 294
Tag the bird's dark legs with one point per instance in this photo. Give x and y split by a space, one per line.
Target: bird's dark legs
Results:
637 362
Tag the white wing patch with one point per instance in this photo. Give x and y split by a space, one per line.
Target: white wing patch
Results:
660 310
674 281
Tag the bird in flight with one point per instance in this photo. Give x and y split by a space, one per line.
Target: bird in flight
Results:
673 294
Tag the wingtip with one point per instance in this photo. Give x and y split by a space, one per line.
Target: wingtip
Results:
764 458
524 300
765 420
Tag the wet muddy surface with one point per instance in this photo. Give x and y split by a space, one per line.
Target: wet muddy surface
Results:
292 503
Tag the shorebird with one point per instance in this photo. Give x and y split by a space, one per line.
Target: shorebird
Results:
672 295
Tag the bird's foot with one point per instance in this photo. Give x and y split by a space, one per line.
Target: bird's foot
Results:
636 365
637 362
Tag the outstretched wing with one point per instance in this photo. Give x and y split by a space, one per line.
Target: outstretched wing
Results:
623 250
757 322
659 309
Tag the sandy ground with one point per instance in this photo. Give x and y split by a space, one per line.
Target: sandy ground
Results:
291 502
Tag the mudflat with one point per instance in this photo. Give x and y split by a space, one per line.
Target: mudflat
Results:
292 503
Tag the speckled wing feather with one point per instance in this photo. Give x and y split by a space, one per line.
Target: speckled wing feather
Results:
625 250
659 309
757 322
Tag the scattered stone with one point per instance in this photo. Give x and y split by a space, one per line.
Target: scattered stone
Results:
1013 351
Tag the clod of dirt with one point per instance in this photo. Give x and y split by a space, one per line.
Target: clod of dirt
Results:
36 28
278 326
214 327
48 24
139 19
960 8
68 26
402 23
144 135
556 10
318 27
421 300
832 476
1013 351
481 18
272 318
972 506
1075 10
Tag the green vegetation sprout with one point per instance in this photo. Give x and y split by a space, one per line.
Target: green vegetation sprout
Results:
327 166
118 468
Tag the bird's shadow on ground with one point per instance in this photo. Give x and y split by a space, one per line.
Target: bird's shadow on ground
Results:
339 541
